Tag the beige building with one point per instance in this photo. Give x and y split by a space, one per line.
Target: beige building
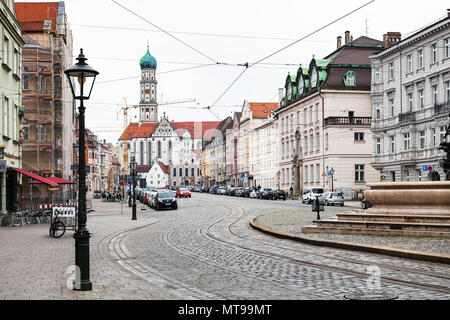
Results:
324 121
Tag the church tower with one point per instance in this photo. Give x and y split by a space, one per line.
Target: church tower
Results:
148 107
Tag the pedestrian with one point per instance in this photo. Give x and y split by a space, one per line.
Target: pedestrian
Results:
291 190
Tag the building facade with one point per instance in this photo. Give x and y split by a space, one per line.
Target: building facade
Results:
10 106
49 123
411 103
324 121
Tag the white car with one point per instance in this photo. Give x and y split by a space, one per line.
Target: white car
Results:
253 194
310 194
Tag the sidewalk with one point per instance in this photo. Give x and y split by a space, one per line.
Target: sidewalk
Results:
34 266
289 224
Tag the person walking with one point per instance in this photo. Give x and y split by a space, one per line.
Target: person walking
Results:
291 190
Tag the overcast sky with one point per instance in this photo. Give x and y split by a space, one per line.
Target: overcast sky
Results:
233 32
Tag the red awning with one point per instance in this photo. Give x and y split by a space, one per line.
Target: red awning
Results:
54 179
36 177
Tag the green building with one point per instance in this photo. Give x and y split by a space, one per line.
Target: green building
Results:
10 105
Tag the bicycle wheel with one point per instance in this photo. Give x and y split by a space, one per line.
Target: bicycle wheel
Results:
57 229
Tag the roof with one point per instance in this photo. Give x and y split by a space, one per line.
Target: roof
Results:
31 15
261 110
147 167
164 168
197 129
352 52
148 61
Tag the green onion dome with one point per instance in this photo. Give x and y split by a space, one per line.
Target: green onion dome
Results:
148 61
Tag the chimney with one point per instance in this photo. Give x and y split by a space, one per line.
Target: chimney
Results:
391 38
280 94
448 12
339 42
347 36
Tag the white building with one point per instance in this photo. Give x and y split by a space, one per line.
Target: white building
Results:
411 103
156 175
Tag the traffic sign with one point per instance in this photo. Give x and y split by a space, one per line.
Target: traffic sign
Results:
424 168
121 183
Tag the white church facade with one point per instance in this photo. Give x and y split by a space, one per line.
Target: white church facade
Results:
177 145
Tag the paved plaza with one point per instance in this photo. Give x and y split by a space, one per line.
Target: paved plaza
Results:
205 250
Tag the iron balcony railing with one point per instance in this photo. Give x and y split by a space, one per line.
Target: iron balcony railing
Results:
443 107
346 121
406 117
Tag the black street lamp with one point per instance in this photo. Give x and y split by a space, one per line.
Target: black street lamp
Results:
82 78
133 164
332 179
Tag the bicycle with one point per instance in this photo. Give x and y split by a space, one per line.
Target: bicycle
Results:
57 227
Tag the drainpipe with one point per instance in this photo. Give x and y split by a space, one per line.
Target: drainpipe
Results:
323 135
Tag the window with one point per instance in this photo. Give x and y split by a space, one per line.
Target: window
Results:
434 56
181 172
326 140
311 114
391 107
447 48
26 135
406 141
318 141
433 133
288 151
391 70
421 101
359 136
442 130
26 82
377 75
377 111
292 122
298 118
419 175
392 144
159 149
317 172
314 78
420 58
16 110
149 151
306 174
16 61
350 78
282 125
192 172
311 139
5 116
434 95
422 139
410 101
186 172
283 152
141 145
305 111
409 63
5 50
306 144
407 176
40 133
317 112
289 92
447 91
359 173
41 84
378 146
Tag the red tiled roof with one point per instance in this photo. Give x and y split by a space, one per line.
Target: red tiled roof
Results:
197 129
135 131
262 110
164 168
31 15
143 168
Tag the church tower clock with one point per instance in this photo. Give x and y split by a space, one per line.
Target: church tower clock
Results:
148 107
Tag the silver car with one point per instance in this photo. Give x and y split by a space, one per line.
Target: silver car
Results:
311 193
332 198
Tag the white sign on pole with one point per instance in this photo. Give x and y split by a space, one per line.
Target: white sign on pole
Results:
64 212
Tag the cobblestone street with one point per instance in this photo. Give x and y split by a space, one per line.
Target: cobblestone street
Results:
204 250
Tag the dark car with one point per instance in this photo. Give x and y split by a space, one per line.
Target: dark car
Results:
246 192
231 191
277 194
213 190
264 193
239 192
205 189
365 204
165 199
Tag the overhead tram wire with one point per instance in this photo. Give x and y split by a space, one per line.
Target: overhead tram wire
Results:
285 47
179 40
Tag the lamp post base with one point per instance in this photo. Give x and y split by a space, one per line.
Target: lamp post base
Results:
82 260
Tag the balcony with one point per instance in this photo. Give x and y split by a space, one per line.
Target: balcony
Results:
442 108
407 117
348 121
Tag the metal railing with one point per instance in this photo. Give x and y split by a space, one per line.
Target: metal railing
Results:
406 117
442 107
362 121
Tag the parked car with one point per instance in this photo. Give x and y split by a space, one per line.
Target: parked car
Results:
239 191
183 193
277 194
205 189
231 191
332 198
309 195
213 190
365 204
165 199
151 199
246 192
254 194
222 191
197 189
264 193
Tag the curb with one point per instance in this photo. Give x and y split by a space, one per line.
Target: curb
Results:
408 254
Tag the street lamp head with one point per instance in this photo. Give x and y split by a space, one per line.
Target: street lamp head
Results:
81 78
133 165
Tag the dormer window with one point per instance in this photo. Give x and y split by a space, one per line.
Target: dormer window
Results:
301 86
350 79
314 78
289 92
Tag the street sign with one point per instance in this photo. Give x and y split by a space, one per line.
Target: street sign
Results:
121 183
424 168
430 168
3 166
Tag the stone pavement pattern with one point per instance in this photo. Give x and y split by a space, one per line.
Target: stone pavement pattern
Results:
34 265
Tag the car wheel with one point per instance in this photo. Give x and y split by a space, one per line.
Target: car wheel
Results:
342 204
175 206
